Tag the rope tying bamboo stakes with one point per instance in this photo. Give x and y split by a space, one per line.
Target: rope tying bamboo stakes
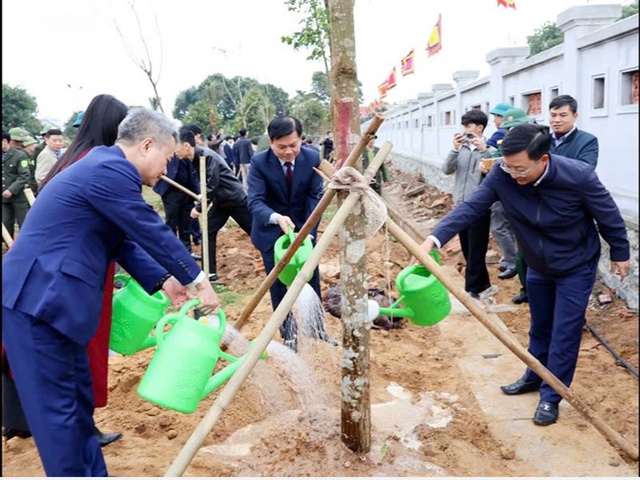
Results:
511 343
229 391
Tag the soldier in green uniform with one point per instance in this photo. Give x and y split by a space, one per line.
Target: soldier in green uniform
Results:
15 177
29 145
382 175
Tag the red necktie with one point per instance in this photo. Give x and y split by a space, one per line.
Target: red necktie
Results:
289 173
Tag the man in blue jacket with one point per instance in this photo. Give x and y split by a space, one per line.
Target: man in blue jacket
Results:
283 191
568 141
53 276
558 209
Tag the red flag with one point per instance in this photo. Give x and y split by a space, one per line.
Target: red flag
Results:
507 3
391 81
382 90
435 39
407 64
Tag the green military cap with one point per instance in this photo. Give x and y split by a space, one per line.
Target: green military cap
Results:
28 140
18 134
514 117
501 109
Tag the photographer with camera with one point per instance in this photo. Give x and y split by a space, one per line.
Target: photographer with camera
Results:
469 148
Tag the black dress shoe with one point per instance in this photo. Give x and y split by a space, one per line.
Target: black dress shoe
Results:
106 438
9 433
520 298
292 343
325 337
502 268
474 295
508 273
546 413
522 385
196 256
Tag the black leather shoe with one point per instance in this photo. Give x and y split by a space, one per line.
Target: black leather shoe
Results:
546 413
196 256
508 273
106 438
520 298
292 343
522 385
325 337
213 277
9 433
474 295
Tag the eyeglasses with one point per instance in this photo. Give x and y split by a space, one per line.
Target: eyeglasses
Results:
518 173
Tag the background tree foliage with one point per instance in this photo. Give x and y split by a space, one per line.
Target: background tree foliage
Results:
629 9
311 112
237 102
315 31
19 109
545 37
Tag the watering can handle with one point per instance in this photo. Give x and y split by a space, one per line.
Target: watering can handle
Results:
177 316
188 306
161 324
290 234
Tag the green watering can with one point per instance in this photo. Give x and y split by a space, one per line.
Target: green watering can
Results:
290 271
179 374
135 314
425 299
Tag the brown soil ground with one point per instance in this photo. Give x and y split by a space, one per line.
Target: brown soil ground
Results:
285 420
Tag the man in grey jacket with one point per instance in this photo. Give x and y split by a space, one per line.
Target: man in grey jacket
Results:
469 147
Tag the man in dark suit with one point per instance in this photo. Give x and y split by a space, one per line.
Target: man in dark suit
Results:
52 279
283 191
225 192
245 152
558 209
177 204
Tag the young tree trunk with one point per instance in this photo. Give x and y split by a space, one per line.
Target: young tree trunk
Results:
356 404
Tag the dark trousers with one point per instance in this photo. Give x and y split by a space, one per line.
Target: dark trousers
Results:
196 234
521 268
217 218
177 209
14 211
474 241
278 290
55 388
558 306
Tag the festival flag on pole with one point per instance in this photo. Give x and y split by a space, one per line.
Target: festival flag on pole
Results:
435 39
507 3
391 81
382 90
407 64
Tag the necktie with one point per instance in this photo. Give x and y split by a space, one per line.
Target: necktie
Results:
289 173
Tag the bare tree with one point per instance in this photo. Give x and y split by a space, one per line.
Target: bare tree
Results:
144 61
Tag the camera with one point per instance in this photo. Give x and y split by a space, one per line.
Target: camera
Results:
469 135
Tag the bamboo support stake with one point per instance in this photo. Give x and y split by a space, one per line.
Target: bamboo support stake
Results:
204 217
511 343
6 237
314 218
229 391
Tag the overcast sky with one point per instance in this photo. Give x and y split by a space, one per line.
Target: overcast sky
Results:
64 52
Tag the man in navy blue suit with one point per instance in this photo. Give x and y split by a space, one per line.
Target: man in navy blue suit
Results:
558 209
52 280
283 191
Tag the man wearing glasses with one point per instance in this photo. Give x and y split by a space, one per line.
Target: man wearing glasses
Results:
557 208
